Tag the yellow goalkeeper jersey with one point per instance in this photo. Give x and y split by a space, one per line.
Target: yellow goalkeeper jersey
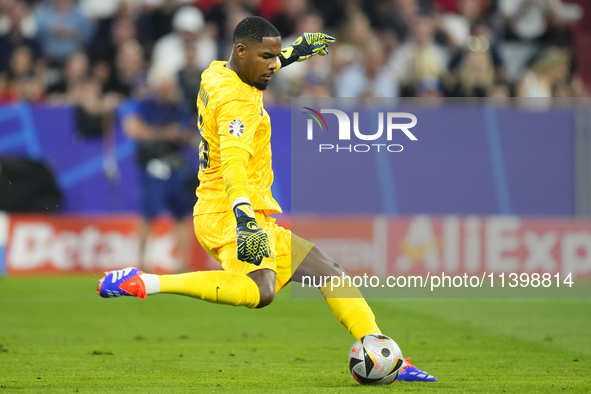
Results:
231 114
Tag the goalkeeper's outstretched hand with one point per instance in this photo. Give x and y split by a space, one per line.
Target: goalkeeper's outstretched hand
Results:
253 243
306 46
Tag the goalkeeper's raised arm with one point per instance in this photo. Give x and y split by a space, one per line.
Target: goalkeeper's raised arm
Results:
303 48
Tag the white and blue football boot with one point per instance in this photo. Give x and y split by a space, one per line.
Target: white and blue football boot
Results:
124 282
410 373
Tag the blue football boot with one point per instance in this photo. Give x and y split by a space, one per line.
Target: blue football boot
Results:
410 373
124 282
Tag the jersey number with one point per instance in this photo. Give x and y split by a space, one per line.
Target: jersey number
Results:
203 154
203 146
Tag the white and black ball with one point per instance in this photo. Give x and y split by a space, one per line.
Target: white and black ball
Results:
375 360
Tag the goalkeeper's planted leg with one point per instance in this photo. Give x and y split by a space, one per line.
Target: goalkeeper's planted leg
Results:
346 302
349 306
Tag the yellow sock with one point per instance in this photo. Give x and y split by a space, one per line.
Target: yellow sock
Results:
351 309
219 287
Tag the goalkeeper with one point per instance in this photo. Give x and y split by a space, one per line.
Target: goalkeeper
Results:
231 218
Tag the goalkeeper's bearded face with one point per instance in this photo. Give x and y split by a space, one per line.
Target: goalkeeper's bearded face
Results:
258 60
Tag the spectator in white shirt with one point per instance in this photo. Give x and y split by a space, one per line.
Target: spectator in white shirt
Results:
369 77
529 19
420 56
169 51
457 25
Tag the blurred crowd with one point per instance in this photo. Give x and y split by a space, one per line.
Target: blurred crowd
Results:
96 53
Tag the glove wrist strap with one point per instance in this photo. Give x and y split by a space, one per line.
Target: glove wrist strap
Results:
286 62
243 211
240 200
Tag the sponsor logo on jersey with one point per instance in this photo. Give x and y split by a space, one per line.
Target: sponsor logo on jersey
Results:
236 128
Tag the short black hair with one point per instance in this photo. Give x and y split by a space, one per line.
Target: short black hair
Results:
254 28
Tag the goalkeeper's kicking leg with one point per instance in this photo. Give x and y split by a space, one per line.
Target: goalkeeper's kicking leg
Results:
254 290
240 284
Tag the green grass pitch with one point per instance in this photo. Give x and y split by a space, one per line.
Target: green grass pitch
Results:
58 336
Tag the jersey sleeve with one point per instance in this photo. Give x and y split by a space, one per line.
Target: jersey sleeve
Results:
237 123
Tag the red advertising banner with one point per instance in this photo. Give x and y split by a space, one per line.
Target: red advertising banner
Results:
497 244
381 246
51 244
456 245
357 243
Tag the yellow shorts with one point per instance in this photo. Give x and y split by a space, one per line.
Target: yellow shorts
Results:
216 232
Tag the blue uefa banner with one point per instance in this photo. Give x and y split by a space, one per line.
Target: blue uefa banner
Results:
409 158
84 167
467 159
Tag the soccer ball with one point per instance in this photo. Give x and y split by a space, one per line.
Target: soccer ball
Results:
377 361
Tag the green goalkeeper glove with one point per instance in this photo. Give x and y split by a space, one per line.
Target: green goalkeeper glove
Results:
253 243
306 46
